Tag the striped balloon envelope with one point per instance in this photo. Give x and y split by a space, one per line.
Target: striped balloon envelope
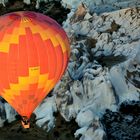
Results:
34 52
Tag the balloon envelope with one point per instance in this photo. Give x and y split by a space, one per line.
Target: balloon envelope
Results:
34 52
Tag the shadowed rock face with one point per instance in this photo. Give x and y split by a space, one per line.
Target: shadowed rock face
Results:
123 124
53 8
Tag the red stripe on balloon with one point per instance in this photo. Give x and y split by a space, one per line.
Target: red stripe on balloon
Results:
52 58
4 81
32 51
23 57
23 101
12 63
59 61
42 56
33 90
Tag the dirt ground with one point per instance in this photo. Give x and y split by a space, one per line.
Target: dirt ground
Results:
63 131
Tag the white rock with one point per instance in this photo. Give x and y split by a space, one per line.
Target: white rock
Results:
90 133
137 58
85 28
81 131
85 118
87 16
2 114
27 1
7 113
44 113
123 91
3 2
93 33
76 27
10 113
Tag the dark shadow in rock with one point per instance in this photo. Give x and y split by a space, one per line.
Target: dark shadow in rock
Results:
124 124
114 27
132 77
111 60
14 131
53 9
63 130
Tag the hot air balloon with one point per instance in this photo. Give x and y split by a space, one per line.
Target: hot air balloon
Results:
34 52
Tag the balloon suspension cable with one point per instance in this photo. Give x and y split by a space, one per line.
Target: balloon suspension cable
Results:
25 122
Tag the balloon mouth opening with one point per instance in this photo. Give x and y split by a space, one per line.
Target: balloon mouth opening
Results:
25 122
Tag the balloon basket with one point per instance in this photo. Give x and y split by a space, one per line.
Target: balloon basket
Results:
25 122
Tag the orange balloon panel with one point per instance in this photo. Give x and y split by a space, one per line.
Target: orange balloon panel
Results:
34 52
